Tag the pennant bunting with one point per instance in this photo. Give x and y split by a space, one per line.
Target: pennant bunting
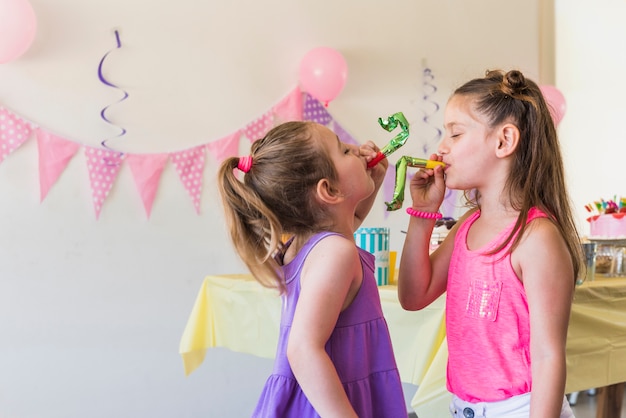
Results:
313 110
343 135
289 108
258 128
225 147
147 170
14 131
54 155
190 166
103 166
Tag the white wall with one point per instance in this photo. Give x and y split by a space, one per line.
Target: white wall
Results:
92 310
590 69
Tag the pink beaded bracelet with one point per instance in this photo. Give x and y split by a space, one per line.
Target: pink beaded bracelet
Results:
425 215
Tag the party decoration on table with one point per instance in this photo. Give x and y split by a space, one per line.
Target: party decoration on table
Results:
608 218
323 73
389 124
604 207
18 26
401 166
556 102
108 83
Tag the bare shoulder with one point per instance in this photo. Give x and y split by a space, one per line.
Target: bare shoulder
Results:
540 235
542 253
333 256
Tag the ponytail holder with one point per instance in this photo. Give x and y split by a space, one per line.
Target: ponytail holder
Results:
245 163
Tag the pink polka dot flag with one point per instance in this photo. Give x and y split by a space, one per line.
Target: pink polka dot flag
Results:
103 166
259 127
14 131
190 166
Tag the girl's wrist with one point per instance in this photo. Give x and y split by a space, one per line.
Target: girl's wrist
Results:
424 215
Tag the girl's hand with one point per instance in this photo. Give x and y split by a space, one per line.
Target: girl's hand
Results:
369 150
428 187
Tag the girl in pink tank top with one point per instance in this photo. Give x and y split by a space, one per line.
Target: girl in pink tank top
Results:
510 264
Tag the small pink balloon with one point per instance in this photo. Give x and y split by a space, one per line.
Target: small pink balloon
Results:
18 25
556 102
323 73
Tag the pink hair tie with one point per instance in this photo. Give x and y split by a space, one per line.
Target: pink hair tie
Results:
425 215
245 163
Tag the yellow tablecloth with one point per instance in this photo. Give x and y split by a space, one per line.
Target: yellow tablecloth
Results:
235 312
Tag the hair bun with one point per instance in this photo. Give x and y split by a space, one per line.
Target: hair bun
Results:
514 82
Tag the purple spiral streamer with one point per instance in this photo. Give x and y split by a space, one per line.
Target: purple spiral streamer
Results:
108 83
429 89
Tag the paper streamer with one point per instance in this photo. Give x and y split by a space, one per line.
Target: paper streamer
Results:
108 83
429 89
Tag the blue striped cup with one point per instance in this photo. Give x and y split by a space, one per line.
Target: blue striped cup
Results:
376 242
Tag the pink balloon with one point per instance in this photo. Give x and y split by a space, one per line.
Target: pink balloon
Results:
18 25
323 73
556 102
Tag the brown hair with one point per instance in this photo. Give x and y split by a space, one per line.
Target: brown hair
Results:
275 197
537 176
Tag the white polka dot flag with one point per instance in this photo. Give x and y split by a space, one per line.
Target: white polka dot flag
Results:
103 166
190 166
147 170
14 131
54 155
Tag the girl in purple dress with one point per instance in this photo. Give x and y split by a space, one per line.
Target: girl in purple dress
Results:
334 356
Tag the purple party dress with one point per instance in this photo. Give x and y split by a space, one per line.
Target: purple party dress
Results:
359 347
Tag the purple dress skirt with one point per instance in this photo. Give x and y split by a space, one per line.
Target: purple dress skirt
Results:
359 347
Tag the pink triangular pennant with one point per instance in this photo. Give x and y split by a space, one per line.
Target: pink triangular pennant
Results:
103 166
14 131
190 166
147 170
258 128
289 108
225 147
54 155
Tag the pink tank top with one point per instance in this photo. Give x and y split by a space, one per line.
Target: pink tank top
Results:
487 321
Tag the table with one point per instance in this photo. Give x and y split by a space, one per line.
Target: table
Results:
235 312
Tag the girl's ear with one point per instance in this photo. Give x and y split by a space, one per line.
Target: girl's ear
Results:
326 193
508 139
